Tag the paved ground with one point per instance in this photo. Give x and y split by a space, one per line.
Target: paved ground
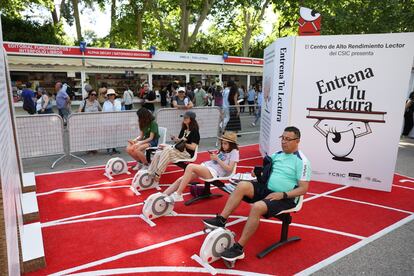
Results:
391 254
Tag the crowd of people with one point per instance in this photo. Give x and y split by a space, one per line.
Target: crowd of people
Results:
231 99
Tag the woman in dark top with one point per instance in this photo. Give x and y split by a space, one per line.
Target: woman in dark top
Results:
234 123
169 154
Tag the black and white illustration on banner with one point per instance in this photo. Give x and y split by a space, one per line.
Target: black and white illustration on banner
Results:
267 87
342 121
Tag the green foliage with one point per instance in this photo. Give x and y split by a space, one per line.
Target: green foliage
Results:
354 16
14 7
19 30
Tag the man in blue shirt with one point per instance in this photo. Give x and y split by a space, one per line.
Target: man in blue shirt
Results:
28 99
289 179
62 101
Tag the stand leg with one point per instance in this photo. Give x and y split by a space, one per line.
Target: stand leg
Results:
77 157
57 160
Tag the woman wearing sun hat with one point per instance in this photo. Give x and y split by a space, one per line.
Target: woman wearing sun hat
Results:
220 164
111 104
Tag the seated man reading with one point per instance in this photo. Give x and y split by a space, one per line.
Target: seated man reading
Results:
289 179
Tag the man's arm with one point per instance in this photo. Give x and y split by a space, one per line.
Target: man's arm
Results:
300 190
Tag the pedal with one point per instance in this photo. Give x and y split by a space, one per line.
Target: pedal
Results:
116 166
215 243
155 206
143 181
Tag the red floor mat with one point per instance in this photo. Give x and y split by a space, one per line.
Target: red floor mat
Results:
96 237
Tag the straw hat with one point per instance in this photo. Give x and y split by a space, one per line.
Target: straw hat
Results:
110 91
229 136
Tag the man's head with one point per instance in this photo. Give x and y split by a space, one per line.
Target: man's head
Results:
198 85
146 87
58 86
290 139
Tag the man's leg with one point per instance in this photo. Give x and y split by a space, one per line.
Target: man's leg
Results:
244 188
258 209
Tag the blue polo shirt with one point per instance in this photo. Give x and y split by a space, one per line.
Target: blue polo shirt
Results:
287 170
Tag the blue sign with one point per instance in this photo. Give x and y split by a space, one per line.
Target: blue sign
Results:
82 46
225 55
153 49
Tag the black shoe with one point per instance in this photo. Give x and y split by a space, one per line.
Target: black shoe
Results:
216 222
233 253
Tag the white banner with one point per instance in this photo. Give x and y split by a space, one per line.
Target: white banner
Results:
277 86
348 101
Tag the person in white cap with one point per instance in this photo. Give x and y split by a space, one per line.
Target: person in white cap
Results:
181 101
111 103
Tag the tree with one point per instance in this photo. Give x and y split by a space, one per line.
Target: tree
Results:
354 16
253 14
175 18
21 30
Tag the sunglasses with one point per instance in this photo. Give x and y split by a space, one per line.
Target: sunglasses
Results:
181 92
93 94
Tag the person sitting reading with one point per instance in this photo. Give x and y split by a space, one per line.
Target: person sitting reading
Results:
148 138
289 179
169 154
220 165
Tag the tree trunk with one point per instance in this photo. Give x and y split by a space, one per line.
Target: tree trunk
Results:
77 19
113 23
55 17
139 30
184 22
246 41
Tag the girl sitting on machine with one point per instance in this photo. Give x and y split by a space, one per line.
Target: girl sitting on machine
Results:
221 165
148 138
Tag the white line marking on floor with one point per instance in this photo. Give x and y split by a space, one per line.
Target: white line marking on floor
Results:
174 269
80 187
369 203
406 180
404 175
53 222
306 226
325 193
404 187
118 180
136 251
354 247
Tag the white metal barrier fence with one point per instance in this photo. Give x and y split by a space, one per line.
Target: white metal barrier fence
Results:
101 130
40 135
208 119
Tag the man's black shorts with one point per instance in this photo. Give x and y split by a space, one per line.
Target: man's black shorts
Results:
273 206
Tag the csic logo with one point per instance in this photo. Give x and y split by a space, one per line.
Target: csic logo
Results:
336 174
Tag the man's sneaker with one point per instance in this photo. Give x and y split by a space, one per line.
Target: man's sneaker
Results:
253 124
174 197
216 222
233 253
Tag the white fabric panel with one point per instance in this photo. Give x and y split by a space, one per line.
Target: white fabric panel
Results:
117 63
32 60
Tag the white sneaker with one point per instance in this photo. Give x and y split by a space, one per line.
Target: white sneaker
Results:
137 166
174 197
253 124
